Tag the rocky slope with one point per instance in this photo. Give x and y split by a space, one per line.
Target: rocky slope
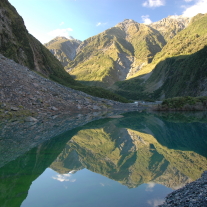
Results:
193 194
24 91
17 44
63 49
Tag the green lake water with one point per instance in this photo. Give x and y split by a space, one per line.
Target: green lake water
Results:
131 161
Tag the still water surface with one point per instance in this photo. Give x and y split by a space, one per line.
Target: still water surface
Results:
132 161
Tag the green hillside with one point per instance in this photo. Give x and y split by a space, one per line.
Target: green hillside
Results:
179 69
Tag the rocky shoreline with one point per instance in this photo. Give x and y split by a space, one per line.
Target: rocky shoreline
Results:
192 195
18 137
38 109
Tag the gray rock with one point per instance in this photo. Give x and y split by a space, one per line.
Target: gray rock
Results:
96 108
30 119
116 117
14 108
54 108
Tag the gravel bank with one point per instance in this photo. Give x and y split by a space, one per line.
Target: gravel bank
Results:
192 195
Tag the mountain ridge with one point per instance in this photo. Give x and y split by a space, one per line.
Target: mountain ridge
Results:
122 50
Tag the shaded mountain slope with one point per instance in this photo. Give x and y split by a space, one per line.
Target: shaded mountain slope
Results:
18 45
176 76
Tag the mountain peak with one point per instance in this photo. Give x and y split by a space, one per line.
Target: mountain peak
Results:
171 25
71 38
60 38
173 18
129 21
126 23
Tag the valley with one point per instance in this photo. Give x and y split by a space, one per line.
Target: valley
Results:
108 120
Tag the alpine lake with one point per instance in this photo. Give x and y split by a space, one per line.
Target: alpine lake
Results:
134 160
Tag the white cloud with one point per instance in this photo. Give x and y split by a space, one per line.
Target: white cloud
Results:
60 32
146 19
62 23
100 24
154 3
63 178
174 16
200 6
150 186
156 202
188 0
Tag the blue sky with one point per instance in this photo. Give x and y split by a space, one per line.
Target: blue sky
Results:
46 19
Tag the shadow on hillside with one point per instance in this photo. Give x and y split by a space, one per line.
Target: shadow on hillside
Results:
176 76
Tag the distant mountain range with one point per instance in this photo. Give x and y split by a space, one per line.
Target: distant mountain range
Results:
138 56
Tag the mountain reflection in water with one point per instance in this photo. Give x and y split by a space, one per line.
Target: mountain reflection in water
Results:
167 149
